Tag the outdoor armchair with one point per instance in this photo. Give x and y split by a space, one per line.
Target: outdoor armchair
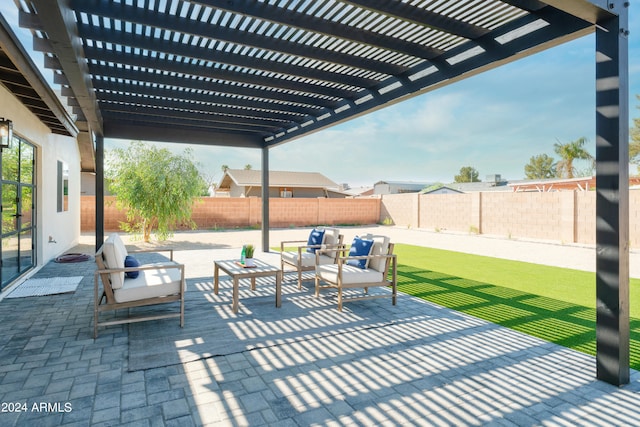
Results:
126 285
360 271
304 257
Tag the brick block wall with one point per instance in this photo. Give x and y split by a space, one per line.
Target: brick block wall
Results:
112 215
586 217
634 218
224 213
564 216
211 213
293 212
523 215
401 209
447 211
348 211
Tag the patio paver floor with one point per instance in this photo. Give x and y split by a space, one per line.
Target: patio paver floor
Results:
436 367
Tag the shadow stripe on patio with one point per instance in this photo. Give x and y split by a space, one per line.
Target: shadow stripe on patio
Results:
212 329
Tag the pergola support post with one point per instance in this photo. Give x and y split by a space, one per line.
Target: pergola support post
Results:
99 191
612 197
265 199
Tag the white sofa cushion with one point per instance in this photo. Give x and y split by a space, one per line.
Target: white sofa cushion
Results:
350 274
150 284
331 236
306 260
114 253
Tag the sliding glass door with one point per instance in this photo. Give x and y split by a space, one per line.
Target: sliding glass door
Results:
17 191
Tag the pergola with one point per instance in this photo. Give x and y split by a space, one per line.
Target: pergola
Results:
261 73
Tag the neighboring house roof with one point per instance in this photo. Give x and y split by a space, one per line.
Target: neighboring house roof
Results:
247 178
404 183
359 191
474 187
404 186
443 189
555 184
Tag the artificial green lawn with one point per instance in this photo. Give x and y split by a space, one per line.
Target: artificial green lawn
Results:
551 303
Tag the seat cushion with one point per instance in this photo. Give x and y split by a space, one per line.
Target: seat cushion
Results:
331 236
150 284
306 260
350 274
114 253
380 247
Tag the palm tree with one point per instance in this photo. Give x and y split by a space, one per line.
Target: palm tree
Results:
568 153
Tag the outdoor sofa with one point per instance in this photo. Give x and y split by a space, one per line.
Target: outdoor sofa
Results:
156 283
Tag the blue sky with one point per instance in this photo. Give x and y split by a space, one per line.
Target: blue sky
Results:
494 122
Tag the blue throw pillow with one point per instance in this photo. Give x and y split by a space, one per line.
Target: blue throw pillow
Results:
360 247
315 238
130 261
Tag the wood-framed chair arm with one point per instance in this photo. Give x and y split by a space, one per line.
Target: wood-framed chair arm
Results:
335 248
322 248
339 247
343 259
141 268
301 248
289 242
139 251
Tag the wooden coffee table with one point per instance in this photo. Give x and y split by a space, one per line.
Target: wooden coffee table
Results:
236 272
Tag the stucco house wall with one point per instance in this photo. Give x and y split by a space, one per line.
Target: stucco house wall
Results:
236 190
63 227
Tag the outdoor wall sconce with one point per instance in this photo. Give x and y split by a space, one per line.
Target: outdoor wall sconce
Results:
6 133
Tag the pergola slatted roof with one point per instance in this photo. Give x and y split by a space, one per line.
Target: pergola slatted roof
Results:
261 73
258 73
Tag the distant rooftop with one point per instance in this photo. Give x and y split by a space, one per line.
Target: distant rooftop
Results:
244 177
395 187
471 187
